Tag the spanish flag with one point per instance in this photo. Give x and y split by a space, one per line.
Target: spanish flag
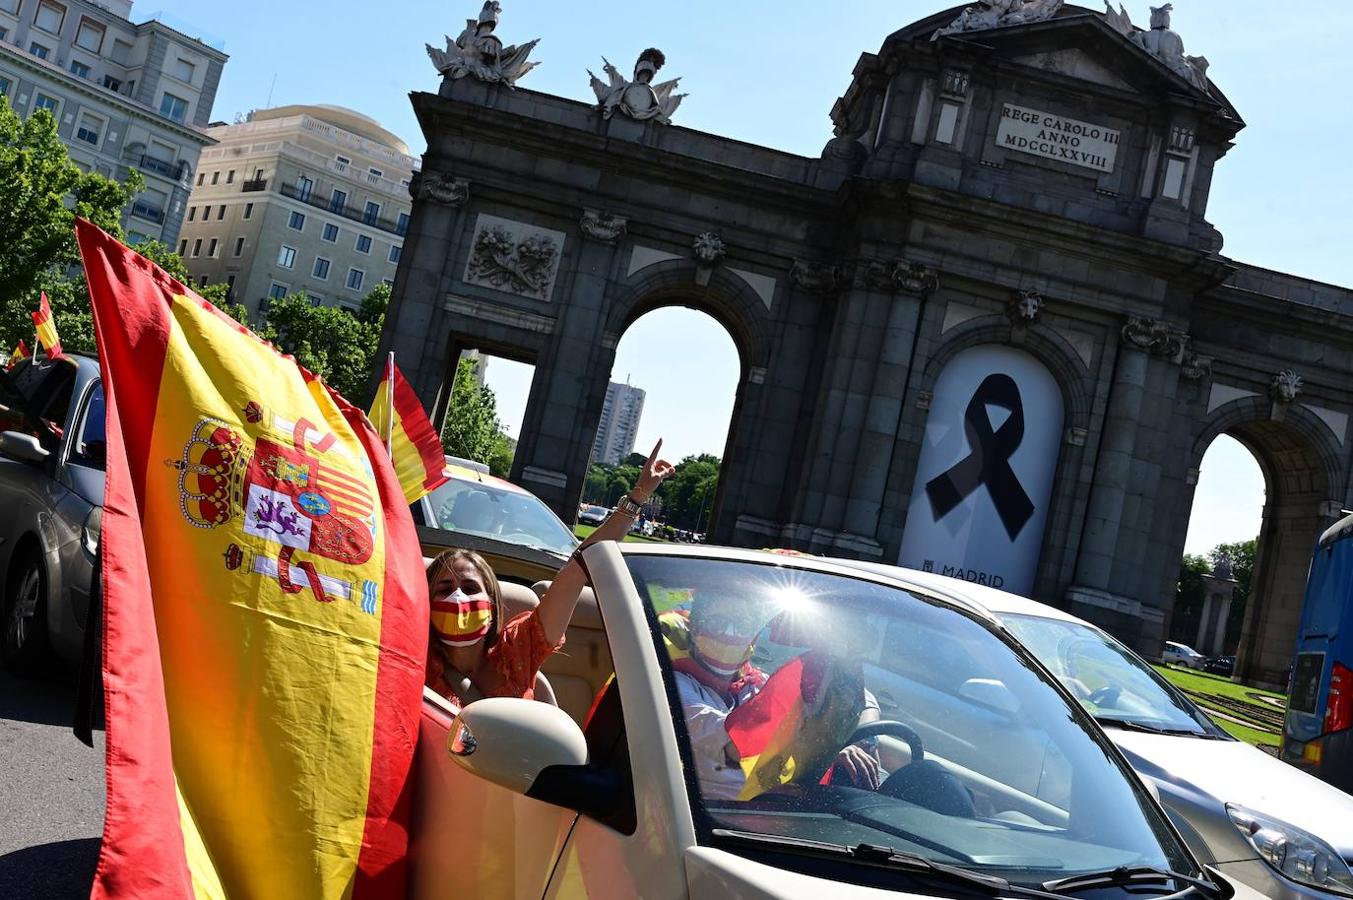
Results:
46 325
415 449
265 616
19 352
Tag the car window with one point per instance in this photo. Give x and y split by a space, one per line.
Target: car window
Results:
486 510
41 389
775 671
91 449
13 415
1110 681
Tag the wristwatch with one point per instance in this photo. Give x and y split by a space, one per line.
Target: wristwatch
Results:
629 506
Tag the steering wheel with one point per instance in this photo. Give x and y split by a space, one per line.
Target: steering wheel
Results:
1106 696
892 728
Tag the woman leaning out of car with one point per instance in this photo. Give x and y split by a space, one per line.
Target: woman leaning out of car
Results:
473 653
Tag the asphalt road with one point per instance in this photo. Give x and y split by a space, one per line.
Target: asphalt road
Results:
51 794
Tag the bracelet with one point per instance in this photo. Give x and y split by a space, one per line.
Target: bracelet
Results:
628 506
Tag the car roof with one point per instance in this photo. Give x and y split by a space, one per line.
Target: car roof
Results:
464 473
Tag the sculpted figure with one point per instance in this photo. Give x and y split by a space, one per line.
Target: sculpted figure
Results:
999 13
480 53
1161 42
639 99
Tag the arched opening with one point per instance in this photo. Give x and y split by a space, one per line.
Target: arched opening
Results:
1297 477
676 376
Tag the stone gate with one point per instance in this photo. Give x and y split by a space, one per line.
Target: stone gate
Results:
989 331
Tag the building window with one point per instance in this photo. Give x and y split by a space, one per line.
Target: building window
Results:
277 291
373 212
394 253
183 247
355 279
211 248
376 172
363 244
248 210
202 282
342 163
4 87
388 282
10 6
206 212
89 129
201 177
197 247
122 52
49 17
297 221
321 270
330 233
173 108
192 213
90 36
48 103
230 177
402 226
113 84
338 201
239 246
220 212
184 70
79 69
286 257
38 50
230 286
215 177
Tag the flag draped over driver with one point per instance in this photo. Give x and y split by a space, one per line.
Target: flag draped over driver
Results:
265 621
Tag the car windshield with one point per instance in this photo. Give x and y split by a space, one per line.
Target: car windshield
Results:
823 708
1110 681
486 510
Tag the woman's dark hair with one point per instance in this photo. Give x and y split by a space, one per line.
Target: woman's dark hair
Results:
449 558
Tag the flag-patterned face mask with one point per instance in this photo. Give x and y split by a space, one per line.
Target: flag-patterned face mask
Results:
461 621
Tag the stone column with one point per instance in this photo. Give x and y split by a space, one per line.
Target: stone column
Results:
1203 620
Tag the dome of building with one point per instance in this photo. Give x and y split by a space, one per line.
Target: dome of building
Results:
340 117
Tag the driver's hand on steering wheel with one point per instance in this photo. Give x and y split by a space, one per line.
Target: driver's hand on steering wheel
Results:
860 767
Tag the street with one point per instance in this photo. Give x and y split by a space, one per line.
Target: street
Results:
51 788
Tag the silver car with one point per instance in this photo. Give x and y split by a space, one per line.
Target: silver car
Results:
51 491
1259 820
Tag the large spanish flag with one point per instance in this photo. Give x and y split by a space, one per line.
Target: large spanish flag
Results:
265 616
398 417
46 326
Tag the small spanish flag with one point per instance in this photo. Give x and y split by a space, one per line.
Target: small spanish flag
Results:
19 352
415 449
46 325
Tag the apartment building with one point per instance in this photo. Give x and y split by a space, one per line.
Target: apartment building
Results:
123 95
312 198
619 424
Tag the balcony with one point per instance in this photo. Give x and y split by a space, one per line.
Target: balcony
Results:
171 170
254 185
309 198
150 213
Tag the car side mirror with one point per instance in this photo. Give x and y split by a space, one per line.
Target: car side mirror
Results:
22 447
533 749
990 693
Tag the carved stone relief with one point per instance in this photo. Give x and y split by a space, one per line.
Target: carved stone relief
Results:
514 257
815 278
605 227
1286 387
894 275
439 187
1024 307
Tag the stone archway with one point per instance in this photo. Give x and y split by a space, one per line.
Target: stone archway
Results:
1299 458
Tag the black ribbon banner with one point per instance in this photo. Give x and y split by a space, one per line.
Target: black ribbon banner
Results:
988 461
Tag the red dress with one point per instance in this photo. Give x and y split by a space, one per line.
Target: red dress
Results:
513 661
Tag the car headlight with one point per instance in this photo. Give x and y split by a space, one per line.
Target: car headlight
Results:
92 530
1297 854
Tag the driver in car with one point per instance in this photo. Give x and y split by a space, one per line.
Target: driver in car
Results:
736 717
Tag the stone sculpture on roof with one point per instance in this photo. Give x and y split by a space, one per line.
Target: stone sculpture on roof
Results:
478 52
1162 43
999 14
639 99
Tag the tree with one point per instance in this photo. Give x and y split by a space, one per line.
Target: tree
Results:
41 193
688 495
472 429
335 343
1190 593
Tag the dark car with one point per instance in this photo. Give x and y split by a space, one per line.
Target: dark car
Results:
51 493
1220 665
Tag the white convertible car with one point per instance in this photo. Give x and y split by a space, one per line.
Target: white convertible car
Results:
994 782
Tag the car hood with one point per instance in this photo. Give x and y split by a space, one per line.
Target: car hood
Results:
717 873
86 482
1235 772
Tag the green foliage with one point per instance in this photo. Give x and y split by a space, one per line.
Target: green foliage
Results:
1190 592
41 193
687 496
472 429
334 343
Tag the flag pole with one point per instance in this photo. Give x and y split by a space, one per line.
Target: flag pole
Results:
390 399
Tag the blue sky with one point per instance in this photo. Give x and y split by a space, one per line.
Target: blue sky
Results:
768 72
